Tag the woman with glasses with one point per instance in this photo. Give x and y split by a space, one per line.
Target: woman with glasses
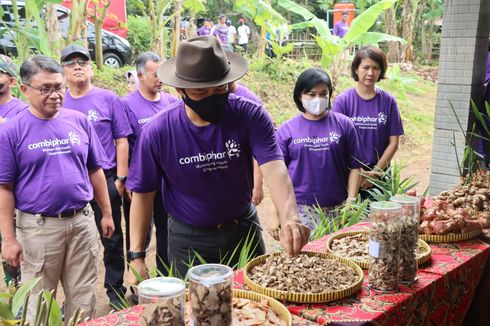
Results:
320 148
373 111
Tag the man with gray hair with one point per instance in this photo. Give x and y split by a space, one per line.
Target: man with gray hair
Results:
141 106
51 169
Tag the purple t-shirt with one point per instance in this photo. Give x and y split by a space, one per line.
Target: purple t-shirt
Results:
222 32
48 161
203 30
207 171
104 110
12 108
319 155
340 29
244 91
140 110
376 120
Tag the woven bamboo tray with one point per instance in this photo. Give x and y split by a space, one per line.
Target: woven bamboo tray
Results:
275 305
451 237
278 307
425 257
304 297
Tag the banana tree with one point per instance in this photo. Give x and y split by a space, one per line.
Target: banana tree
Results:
264 16
334 47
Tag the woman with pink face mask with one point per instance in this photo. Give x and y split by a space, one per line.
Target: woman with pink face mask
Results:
321 149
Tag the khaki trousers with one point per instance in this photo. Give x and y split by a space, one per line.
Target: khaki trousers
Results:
61 249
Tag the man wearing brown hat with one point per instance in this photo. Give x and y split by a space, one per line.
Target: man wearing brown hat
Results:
9 105
200 150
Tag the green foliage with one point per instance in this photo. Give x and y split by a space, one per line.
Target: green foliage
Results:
112 79
348 214
390 182
400 85
139 35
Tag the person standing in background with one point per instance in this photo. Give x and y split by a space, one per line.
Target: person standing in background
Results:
9 105
104 111
374 112
205 29
243 35
141 106
341 27
221 32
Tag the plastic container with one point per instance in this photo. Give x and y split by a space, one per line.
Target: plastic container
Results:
408 237
210 290
163 299
384 245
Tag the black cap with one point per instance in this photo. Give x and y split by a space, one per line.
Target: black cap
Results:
74 49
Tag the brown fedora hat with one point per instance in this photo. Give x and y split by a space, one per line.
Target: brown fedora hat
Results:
201 62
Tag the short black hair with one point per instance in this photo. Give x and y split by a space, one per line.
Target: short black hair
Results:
309 79
36 64
373 53
345 13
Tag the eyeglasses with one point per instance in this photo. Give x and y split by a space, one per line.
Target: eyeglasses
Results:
48 91
72 63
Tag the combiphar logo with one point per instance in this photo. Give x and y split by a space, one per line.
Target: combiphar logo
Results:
73 138
92 115
232 150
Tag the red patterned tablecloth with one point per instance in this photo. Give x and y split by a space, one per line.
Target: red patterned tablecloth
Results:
441 295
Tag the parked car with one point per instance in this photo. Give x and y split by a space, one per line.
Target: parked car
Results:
116 50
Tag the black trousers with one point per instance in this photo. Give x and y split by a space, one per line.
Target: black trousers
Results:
214 245
160 218
113 247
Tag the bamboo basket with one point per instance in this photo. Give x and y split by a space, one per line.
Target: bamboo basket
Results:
278 307
451 237
421 259
304 297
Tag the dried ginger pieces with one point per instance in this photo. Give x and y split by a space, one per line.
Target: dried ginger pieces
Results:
248 312
303 274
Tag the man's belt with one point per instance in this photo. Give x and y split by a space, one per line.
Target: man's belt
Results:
65 214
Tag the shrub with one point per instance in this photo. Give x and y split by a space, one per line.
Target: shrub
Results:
138 34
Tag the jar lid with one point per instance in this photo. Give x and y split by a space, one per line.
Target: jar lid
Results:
161 286
386 205
210 274
405 199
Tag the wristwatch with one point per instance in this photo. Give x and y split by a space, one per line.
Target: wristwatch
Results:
122 179
132 255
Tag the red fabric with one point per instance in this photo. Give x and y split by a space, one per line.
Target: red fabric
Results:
441 295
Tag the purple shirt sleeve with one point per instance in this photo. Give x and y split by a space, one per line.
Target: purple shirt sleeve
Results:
120 123
8 172
487 78
283 138
97 157
262 136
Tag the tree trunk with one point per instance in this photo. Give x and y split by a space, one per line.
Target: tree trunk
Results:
53 28
390 23
262 42
428 56
421 21
407 31
99 56
176 29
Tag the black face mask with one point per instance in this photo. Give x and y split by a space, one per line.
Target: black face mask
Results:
209 109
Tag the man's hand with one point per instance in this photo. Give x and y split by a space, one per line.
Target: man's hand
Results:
257 195
137 266
107 224
128 194
294 236
12 252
